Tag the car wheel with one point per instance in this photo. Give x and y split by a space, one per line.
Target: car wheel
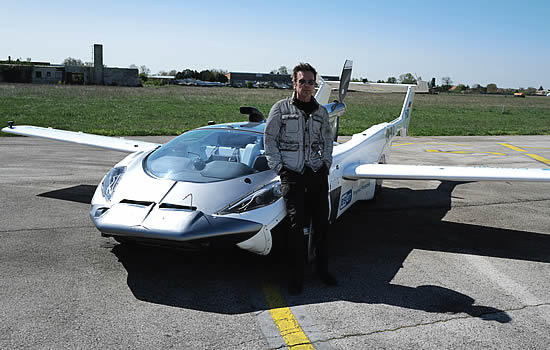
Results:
378 186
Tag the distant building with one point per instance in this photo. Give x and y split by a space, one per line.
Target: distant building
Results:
241 78
164 79
46 73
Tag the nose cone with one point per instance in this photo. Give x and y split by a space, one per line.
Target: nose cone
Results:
153 222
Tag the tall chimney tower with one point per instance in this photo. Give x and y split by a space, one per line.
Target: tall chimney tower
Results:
98 64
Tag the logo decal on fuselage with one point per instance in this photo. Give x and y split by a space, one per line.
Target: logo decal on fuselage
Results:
345 200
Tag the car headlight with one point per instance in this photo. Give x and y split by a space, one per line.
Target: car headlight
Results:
111 180
257 199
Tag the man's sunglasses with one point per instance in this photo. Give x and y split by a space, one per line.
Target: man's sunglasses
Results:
309 82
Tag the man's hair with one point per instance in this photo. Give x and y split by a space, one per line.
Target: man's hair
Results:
303 67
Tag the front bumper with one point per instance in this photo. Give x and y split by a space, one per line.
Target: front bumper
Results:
148 222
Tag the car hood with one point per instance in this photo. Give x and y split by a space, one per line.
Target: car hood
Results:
139 187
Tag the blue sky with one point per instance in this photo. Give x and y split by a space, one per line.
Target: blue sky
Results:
502 42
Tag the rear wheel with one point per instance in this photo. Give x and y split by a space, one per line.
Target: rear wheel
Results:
378 186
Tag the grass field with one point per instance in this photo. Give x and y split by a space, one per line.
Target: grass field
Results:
169 110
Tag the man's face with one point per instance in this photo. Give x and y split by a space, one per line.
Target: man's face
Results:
304 85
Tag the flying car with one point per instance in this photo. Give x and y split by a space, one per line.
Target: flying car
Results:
212 184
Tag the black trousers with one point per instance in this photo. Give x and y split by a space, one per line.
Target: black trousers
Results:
306 196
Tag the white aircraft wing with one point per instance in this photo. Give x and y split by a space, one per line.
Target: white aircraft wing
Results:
444 173
422 87
112 143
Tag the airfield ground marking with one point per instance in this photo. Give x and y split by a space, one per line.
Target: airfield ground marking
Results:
517 149
429 143
538 147
465 152
284 319
531 155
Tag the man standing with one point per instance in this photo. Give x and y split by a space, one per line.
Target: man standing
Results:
298 146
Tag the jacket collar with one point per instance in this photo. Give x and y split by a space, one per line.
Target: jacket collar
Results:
293 100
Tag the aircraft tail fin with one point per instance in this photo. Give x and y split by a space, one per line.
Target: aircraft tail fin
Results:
402 123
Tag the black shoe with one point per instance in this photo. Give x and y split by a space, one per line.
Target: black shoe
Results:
328 279
294 287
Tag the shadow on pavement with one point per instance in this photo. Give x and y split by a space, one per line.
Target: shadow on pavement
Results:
79 194
370 242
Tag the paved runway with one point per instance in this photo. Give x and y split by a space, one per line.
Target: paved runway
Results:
427 265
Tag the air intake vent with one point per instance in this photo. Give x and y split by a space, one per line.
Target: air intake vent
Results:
140 203
177 207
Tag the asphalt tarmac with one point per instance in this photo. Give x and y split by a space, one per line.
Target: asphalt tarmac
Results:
426 265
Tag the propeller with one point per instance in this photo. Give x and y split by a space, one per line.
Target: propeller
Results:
337 108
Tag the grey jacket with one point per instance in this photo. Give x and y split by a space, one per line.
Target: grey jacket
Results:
292 142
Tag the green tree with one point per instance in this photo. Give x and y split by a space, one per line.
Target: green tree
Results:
391 80
460 88
407 78
530 91
70 61
446 81
206 75
188 73
280 70
492 88
220 75
144 70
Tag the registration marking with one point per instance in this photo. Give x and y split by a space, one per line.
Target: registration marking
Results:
284 319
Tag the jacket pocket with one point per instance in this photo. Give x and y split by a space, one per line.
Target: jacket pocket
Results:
288 146
317 118
317 122
290 123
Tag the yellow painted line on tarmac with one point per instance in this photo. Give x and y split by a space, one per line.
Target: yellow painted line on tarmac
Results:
539 158
531 155
465 152
513 147
284 319
429 143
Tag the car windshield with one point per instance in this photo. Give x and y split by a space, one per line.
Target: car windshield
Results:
209 155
